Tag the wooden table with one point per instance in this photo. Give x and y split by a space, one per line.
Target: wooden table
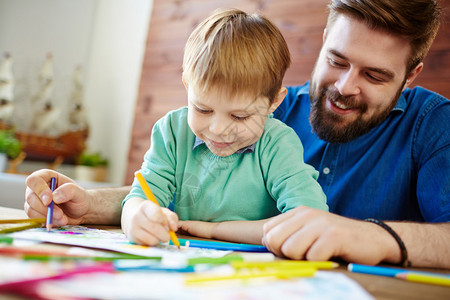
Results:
384 288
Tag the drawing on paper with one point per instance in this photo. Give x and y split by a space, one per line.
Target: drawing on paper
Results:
101 239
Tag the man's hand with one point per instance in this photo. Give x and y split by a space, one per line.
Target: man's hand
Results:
73 204
71 200
307 233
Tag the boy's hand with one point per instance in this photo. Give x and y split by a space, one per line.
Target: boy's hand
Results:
145 223
197 228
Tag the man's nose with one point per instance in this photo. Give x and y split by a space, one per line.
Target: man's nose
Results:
348 83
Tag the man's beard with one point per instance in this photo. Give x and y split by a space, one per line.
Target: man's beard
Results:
327 125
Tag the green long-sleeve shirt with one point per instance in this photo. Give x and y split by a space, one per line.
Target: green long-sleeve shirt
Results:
243 186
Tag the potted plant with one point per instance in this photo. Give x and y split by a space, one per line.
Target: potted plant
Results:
91 167
10 147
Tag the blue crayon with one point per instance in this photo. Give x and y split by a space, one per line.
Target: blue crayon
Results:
223 246
375 270
149 265
49 221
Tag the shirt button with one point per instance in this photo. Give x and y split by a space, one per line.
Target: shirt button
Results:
326 171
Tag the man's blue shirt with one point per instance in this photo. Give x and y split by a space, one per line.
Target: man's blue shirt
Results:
400 170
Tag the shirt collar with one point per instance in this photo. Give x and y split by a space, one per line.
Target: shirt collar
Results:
247 149
401 104
303 90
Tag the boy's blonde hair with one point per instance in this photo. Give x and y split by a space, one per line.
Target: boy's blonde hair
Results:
237 53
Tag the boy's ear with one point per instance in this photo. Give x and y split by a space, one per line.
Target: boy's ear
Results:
184 81
278 99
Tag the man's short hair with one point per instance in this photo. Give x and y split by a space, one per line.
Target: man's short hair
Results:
417 21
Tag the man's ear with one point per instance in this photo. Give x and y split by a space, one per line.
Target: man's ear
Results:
324 34
278 99
413 74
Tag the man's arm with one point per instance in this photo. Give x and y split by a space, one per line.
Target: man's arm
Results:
428 244
307 233
105 205
74 204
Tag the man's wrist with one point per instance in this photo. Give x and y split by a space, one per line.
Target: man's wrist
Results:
404 261
104 206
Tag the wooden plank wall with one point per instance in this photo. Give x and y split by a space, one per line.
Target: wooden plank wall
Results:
300 21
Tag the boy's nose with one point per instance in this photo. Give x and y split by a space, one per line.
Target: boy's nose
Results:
219 126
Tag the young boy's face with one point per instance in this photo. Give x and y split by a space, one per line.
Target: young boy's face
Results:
227 124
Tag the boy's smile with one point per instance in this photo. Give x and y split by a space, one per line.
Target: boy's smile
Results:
220 145
227 123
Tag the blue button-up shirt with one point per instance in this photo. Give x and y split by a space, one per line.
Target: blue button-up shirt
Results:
400 170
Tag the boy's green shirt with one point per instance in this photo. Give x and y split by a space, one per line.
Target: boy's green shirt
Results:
245 186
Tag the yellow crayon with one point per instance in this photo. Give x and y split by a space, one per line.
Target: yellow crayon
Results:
285 264
148 193
304 272
425 278
16 221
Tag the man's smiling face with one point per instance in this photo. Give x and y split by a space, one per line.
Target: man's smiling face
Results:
357 80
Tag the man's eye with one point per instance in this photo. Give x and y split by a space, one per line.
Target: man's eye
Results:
334 63
240 118
374 78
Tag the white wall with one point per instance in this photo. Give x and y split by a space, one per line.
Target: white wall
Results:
107 38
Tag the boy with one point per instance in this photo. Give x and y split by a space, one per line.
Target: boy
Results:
233 162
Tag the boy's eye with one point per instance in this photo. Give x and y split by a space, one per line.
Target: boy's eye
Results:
240 118
203 111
